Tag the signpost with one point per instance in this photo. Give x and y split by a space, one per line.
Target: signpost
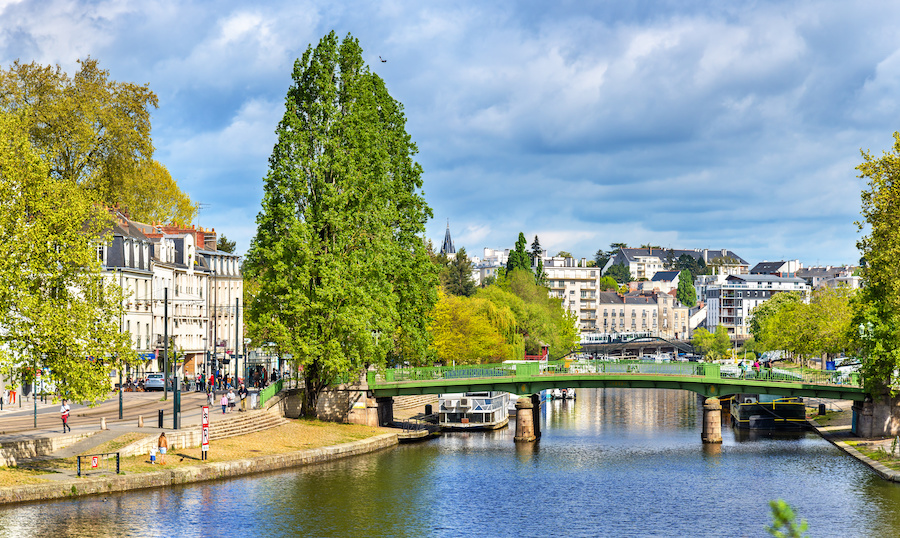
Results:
204 432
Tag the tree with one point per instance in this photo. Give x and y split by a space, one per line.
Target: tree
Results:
686 262
563 254
95 132
459 275
536 250
466 333
225 245
784 524
518 258
686 292
601 258
713 345
608 283
345 281
877 306
670 260
57 310
619 272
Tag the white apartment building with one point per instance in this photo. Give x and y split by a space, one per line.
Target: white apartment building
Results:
645 262
654 313
226 300
489 265
578 287
730 302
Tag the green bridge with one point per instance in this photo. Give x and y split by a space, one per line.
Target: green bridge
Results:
531 377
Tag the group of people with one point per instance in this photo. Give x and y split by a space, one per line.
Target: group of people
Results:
229 399
757 367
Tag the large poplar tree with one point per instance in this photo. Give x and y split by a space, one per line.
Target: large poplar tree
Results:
344 277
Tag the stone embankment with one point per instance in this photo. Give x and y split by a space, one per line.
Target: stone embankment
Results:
194 473
836 435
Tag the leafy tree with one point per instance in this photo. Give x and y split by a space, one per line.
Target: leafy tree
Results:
686 262
877 306
459 275
225 245
713 346
95 132
670 260
601 258
649 246
465 333
608 283
563 254
518 258
345 281
540 276
619 272
686 292
56 308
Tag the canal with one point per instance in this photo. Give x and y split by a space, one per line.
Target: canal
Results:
617 462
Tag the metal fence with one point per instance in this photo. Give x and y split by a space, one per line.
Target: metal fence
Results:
97 461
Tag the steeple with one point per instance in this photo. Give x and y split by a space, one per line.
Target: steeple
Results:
447 248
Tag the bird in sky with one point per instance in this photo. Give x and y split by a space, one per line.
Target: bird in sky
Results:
382 59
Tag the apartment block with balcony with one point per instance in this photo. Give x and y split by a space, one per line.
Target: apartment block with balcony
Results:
578 286
731 301
654 313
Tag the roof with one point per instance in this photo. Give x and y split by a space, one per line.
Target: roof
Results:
766 278
767 268
629 255
665 276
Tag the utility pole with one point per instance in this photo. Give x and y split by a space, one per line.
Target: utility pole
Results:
166 343
237 345
215 314
121 315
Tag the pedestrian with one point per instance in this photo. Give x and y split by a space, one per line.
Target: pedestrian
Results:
210 396
224 402
64 411
242 392
163 445
230 400
212 382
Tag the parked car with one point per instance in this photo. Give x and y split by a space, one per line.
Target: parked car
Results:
154 382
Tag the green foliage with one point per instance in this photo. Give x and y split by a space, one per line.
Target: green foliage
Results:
95 132
459 275
225 245
536 250
608 283
783 521
472 330
713 346
518 258
686 262
877 309
601 258
619 272
344 279
56 308
563 254
670 260
686 292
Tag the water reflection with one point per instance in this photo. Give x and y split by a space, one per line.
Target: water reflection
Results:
613 462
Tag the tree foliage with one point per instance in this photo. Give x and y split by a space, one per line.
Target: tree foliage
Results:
602 257
459 275
225 245
608 283
95 132
712 345
344 278
686 262
518 257
473 330
619 272
686 293
56 308
877 309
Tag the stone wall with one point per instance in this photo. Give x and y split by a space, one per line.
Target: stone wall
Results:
13 451
879 417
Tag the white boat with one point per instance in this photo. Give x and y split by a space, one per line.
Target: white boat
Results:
473 410
556 394
568 394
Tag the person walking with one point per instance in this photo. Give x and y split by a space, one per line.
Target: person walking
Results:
231 400
224 402
64 411
242 392
163 445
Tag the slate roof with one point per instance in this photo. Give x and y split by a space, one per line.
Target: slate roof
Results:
627 255
767 268
665 276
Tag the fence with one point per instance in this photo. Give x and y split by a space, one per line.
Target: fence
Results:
96 460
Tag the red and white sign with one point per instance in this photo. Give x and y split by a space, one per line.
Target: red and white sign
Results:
204 431
95 462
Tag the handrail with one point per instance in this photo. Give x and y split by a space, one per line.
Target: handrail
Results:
269 391
707 371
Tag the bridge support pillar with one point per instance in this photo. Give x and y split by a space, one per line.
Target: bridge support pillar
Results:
536 414
524 421
385 411
712 421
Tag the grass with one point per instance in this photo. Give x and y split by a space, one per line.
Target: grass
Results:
298 435
880 454
829 418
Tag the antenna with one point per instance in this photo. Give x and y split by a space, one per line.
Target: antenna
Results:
200 207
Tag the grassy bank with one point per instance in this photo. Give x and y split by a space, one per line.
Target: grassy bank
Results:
295 436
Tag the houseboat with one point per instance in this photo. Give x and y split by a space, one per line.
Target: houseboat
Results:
766 412
473 410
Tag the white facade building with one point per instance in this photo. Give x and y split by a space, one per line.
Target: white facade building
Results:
730 303
577 286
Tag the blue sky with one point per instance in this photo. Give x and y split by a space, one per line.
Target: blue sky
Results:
684 124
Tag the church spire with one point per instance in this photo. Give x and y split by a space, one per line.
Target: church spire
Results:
447 248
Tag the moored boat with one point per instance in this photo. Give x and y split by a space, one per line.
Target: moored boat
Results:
473 410
766 412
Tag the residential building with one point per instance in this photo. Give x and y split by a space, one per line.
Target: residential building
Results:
643 263
663 281
731 302
829 276
226 300
488 265
578 286
782 268
654 313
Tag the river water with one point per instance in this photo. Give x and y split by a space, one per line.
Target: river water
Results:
618 462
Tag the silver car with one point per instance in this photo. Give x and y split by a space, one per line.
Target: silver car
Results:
154 382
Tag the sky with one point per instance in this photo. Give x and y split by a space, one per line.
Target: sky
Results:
684 124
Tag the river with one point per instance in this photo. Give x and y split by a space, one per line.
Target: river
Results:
618 462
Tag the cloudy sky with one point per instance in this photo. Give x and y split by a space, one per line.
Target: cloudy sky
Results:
687 124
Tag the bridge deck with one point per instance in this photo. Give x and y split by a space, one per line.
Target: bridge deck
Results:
532 377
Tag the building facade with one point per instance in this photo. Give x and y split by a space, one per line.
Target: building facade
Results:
578 286
731 302
643 263
654 313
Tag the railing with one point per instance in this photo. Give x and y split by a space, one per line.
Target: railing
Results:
709 372
95 461
270 391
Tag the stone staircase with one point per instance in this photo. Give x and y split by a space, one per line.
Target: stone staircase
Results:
415 402
243 423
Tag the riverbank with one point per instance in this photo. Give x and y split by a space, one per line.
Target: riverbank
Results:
836 431
228 458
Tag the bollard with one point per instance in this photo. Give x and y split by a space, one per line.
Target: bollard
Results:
712 421
822 410
427 409
160 419
140 421
103 423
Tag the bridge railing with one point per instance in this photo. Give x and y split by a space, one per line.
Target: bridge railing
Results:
707 371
